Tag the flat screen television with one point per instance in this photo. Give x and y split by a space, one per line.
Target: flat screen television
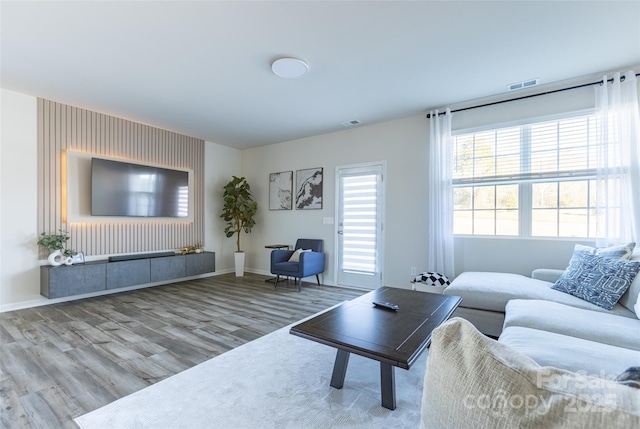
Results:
126 189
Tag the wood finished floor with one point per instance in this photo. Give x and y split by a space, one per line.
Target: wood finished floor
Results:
60 361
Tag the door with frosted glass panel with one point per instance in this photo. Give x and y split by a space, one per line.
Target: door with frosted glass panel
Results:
360 211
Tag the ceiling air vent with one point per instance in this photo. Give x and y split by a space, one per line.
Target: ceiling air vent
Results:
350 123
522 85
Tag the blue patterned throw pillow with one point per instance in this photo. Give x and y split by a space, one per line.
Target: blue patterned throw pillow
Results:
597 279
630 377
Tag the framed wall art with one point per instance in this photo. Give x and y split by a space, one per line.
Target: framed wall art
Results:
309 189
280 190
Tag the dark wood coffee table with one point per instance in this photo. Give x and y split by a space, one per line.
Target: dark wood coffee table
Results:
394 338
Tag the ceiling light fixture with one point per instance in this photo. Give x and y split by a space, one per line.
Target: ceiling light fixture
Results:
289 68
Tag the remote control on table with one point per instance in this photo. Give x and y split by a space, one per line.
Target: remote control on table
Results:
387 305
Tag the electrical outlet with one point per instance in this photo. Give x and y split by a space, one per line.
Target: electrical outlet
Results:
413 271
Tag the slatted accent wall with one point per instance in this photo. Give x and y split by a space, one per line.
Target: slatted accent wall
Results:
62 127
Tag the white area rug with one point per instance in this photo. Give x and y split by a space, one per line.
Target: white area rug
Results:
277 381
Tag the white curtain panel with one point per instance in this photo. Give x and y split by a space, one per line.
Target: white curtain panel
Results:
440 195
618 160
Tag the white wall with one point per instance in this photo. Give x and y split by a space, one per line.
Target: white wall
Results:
19 269
512 255
517 255
402 143
567 101
19 264
221 163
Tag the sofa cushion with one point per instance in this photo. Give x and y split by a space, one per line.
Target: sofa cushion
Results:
491 291
472 381
570 353
600 280
546 274
290 267
576 322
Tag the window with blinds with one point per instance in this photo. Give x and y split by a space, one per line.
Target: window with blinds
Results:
536 179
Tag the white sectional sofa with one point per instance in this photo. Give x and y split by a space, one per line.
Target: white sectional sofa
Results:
552 327
559 361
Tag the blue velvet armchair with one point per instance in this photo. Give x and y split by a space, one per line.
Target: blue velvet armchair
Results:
309 263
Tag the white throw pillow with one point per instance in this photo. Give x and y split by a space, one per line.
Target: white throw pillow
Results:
474 381
620 251
636 257
296 255
632 295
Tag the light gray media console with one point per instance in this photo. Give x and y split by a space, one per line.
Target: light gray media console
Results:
58 282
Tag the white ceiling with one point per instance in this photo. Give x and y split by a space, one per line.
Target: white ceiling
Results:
203 68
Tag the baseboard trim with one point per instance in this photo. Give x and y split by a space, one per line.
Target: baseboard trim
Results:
45 301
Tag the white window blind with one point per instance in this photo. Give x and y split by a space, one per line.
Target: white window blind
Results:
535 179
548 150
360 223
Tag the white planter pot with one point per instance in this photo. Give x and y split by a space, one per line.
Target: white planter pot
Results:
56 258
239 264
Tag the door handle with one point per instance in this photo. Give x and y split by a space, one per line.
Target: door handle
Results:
340 232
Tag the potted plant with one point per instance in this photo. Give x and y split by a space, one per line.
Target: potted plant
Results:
56 243
238 211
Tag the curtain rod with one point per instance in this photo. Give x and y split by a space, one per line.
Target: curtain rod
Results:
600 82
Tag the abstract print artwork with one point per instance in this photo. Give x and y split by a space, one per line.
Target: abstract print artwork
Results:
280 189
309 189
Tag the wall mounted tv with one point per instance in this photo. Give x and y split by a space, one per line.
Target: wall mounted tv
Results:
126 189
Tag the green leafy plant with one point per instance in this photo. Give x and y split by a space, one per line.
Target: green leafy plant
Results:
69 252
239 209
54 242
